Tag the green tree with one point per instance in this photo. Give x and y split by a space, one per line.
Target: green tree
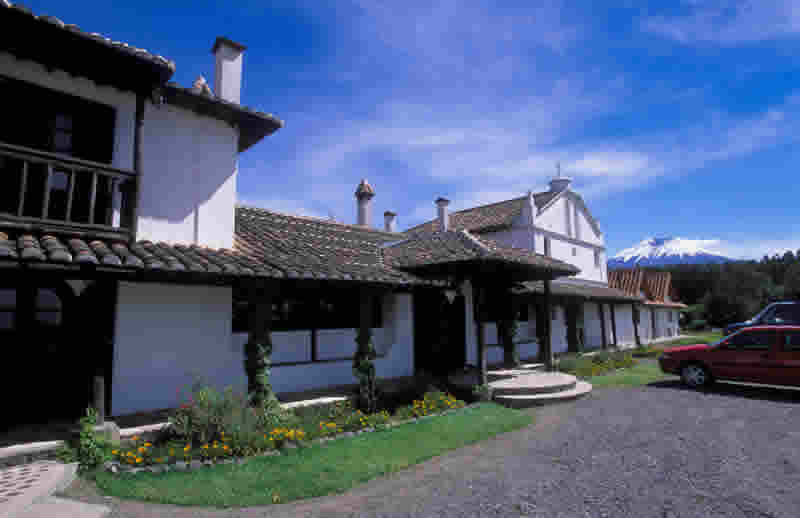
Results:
791 284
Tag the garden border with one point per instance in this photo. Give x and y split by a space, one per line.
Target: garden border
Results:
117 467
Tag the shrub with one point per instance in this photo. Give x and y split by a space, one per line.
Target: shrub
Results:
568 364
697 325
431 403
601 358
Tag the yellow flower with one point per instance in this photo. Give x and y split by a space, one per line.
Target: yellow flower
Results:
147 445
135 438
187 447
172 451
138 460
114 452
142 449
205 446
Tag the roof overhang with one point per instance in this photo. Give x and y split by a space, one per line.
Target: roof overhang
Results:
253 125
47 40
488 269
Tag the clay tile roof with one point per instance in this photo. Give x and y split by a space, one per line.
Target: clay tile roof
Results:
655 286
586 290
453 247
305 247
144 256
486 218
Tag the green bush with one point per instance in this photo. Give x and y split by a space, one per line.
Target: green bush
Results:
92 451
568 364
601 358
697 325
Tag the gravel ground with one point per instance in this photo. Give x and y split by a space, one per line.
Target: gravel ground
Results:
658 451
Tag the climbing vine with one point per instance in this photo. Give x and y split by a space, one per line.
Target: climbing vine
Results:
364 371
257 358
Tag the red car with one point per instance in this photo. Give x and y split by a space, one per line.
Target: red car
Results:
761 354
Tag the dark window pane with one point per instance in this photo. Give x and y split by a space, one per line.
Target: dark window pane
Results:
47 300
7 320
64 122
11 173
48 318
8 298
754 340
62 142
59 183
791 341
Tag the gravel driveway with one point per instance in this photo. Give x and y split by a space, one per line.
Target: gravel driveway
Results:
657 451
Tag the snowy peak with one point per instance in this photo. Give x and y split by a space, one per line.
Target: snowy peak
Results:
663 251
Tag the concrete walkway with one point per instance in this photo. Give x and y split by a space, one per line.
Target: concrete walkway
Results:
26 492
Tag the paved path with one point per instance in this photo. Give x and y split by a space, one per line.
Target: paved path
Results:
659 451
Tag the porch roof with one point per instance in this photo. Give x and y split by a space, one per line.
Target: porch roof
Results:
462 254
578 290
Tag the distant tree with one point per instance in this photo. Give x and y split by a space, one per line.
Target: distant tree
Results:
792 281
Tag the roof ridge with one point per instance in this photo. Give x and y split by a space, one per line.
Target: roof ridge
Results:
482 247
319 220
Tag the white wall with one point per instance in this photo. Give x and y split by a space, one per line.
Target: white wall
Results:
165 334
188 178
188 160
624 320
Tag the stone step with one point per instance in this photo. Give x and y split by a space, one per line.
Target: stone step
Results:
528 400
25 485
534 383
502 374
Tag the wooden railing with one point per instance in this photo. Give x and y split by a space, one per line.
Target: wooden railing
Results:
58 192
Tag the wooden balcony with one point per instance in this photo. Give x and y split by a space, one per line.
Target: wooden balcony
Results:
49 192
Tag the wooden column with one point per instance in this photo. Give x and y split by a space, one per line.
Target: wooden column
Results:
258 349
481 345
635 324
137 167
614 325
603 324
653 324
548 329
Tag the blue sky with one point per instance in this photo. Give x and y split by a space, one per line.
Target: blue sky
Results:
674 118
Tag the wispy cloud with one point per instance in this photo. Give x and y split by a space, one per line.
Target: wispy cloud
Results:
729 23
754 248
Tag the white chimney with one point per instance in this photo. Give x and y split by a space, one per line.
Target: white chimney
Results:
529 209
559 183
228 69
364 194
389 218
444 217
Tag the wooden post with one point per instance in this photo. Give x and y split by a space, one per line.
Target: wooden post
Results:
100 399
653 324
635 318
614 325
548 328
363 366
603 324
476 300
258 349
137 166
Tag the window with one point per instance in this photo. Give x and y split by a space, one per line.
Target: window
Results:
335 310
597 258
669 316
753 340
8 308
547 246
786 313
791 341
48 308
574 251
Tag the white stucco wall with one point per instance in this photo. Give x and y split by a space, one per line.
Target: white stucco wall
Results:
623 317
188 160
165 335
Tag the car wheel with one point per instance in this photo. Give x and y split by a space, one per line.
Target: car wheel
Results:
695 375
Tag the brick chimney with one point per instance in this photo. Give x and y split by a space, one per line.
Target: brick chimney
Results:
389 220
444 216
364 193
228 69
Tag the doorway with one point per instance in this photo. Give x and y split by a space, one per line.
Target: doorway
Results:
439 333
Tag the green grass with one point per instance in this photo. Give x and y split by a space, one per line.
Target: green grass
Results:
642 374
319 469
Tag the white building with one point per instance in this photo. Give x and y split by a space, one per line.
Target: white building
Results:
125 261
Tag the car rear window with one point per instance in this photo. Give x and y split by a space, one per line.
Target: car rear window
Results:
791 341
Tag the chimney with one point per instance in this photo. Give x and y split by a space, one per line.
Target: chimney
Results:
559 183
228 69
529 209
364 194
389 218
444 217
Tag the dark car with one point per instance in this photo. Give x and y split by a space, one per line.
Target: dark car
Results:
775 314
761 354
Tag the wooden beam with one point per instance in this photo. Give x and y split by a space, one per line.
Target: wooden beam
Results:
614 325
137 166
603 324
548 329
23 188
46 199
92 196
70 193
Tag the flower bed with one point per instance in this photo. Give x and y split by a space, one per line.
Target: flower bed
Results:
231 441
602 362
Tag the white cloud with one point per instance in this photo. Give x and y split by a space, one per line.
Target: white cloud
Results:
756 248
729 23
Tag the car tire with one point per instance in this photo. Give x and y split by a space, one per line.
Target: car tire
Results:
696 375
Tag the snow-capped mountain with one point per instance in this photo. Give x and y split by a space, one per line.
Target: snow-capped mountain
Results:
663 251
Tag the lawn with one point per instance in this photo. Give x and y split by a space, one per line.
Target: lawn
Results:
319 469
641 374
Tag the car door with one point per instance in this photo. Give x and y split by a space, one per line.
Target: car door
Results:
785 361
744 356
